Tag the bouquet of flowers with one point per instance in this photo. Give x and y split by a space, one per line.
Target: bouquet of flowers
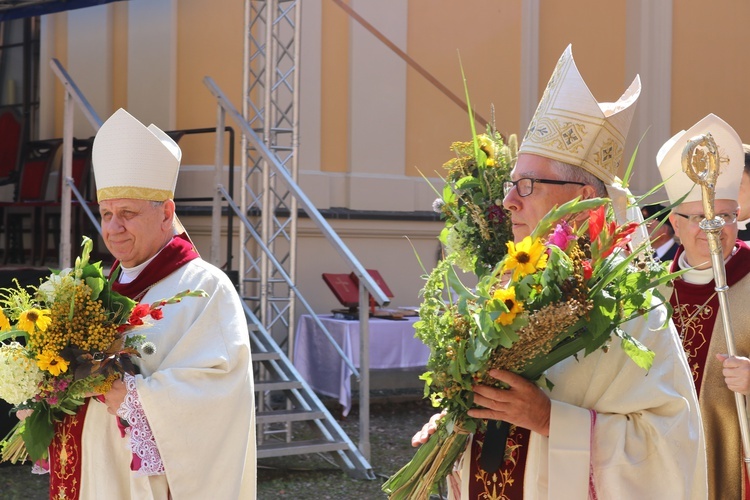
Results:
549 298
476 224
76 339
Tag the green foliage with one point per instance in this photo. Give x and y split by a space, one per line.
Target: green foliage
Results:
477 226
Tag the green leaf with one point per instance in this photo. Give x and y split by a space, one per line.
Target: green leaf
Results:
97 285
38 432
13 334
468 182
427 377
455 283
443 237
468 107
600 318
642 355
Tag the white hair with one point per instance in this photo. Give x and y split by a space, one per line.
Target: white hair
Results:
577 174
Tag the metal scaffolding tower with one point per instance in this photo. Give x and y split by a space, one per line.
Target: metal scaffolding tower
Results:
271 107
268 239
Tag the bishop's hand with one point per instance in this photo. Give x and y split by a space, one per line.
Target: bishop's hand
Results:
736 371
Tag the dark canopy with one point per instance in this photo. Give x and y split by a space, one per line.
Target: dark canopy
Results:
16 9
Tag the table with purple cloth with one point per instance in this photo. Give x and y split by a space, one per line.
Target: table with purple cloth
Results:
392 345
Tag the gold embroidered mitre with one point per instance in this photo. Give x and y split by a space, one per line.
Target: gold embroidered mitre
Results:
731 161
131 160
571 126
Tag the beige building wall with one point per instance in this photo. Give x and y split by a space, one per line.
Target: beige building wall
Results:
371 125
711 64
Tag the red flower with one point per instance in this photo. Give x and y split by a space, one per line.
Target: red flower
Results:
587 270
621 238
596 222
495 214
139 312
156 314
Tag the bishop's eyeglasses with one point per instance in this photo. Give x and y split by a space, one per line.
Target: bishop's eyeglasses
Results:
696 219
525 185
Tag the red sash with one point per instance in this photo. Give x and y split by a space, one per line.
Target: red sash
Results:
65 456
65 449
507 482
176 254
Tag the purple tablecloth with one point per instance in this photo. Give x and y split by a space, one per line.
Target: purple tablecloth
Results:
392 345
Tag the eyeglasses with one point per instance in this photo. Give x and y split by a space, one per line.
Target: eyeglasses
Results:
525 185
697 218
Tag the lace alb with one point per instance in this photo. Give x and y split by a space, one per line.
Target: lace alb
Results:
142 442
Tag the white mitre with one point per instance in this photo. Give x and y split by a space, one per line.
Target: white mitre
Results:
571 126
731 161
133 161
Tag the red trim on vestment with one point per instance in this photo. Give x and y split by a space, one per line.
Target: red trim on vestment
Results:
65 456
178 252
507 482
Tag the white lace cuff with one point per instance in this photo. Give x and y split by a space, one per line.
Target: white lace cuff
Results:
40 467
142 442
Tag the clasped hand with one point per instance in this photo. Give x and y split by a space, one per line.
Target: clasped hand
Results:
113 399
115 396
522 403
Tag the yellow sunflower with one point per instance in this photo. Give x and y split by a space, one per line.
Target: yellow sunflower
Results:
51 363
508 297
4 323
486 145
525 258
34 317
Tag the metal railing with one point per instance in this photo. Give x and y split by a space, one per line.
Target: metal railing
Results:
367 285
73 95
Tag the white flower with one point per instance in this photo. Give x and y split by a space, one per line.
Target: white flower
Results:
437 205
19 375
48 290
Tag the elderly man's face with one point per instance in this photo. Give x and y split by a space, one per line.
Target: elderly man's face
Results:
135 230
527 211
694 239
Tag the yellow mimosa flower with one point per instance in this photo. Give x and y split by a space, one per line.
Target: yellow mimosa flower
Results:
34 317
525 258
4 323
508 297
51 363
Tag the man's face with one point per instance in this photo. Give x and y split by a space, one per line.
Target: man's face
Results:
135 230
660 235
695 240
527 211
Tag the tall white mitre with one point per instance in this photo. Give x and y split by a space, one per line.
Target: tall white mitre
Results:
571 126
731 161
133 161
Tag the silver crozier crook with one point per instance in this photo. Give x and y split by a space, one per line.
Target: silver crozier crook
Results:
700 161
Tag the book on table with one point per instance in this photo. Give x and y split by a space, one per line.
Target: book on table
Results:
346 289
